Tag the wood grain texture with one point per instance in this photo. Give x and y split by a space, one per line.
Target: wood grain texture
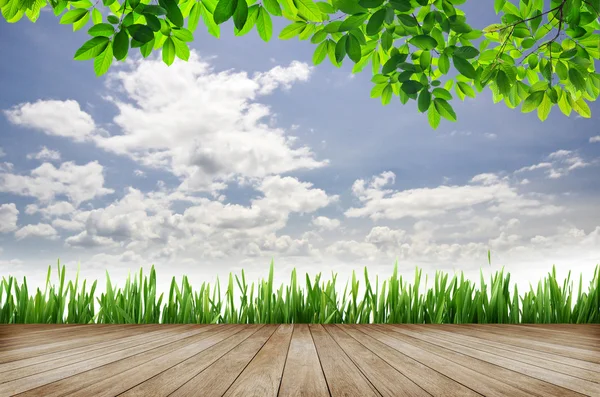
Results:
303 376
216 379
262 377
343 377
386 379
300 360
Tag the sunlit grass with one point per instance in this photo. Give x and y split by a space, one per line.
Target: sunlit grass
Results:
449 300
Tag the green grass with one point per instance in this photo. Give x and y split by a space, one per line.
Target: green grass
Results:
449 300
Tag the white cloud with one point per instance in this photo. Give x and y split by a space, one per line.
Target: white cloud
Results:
325 223
282 76
485 189
54 210
78 183
8 217
40 230
139 173
2 153
60 118
595 139
560 163
490 135
45 154
205 127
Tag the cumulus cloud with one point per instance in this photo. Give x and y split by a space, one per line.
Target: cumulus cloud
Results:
45 154
595 139
325 223
78 183
205 127
53 117
8 217
484 189
558 164
41 230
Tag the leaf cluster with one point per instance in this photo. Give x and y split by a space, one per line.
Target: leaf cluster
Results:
540 53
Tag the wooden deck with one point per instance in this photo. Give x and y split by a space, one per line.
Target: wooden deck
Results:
300 360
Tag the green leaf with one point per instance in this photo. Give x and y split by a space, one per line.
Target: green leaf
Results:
264 25
466 89
503 83
146 49
240 14
444 109
173 12
103 61
466 52
581 107
273 7
82 22
224 10
577 79
91 48
407 20
309 10
442 93
168 51
194 17
121 45
444 63
214 29
424 100
544 108
340 49
102 29
564 104
353 48
141 33
318 37
464 67
181 49
292 30
386 95
96 16
401 5
112 19
370 3
411 87
532 101
183 34
320 53
153 9
424 42
352 22
375 22
433 117
532 60
72 16
153 22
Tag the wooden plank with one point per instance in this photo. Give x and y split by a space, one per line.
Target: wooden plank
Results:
343 377
303 375
173 378
124 381
34 381
517 340
469 378
474 336
216 379
83 339
548 335
83 379
479 362
431 381
34 365
386 379
469 343
261 378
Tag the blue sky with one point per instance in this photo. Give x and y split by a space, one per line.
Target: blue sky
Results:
248 153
